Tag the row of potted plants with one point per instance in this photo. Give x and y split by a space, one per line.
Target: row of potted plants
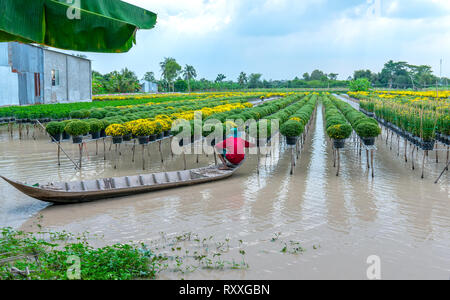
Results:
58 112
337 126
422 122
295 126
365 127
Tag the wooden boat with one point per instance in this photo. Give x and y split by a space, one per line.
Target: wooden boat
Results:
86 191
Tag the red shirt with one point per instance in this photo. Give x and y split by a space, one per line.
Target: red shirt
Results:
235 149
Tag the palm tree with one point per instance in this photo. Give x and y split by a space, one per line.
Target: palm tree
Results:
170 69
189 72
242 80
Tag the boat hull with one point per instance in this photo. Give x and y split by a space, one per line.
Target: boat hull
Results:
72 197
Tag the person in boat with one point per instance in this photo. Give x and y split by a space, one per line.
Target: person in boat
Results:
232 150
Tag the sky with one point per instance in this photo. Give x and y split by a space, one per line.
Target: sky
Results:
282 39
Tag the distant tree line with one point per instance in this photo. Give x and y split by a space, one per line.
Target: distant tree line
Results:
175 78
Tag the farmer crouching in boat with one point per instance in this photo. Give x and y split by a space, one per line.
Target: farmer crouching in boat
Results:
232 150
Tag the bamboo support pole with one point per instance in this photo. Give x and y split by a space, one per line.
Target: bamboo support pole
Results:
368 162
338 162
292 161
143 157
406 151
80 147
59 153
74 163
161 152
134 151
104 149
115 157
412 158
371 159
423 163
437 152
445 169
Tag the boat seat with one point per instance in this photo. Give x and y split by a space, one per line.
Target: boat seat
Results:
147 180
185 175
173 177
134 181
91 185
161 178
119 183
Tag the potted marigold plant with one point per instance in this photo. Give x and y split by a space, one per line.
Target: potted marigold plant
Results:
143 130
368 131
116 131
77 129
95 127
55 129
159 129
339 133
292 129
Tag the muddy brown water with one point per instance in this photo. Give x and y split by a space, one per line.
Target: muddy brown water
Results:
340 221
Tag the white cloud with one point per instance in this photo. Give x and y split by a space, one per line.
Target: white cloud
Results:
285 38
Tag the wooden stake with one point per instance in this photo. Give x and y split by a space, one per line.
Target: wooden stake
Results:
373 167
445 169
406 150
338 162
143 157
160 151
80 146
423 163
134 151
104 149
59 153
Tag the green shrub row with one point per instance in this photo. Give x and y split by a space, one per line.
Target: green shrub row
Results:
295 126
364 126
336 124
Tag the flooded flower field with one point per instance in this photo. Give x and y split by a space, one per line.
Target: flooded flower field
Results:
311 225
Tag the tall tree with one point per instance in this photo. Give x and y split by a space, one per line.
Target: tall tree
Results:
170 70
306 76
333 76
149 76
189 73
220 78
254 81
242 79
318 75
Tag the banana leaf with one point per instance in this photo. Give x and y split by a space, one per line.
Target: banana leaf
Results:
107 26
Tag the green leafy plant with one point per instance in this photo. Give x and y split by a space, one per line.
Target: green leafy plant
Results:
77 128
340 132
360 85
96 125
292 128
55 128
368 130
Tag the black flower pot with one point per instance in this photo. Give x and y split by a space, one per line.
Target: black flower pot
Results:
167 133
77 139
117 140
339 144
102 133
160 136
95 135
428 145
369 141
152 138
56 138
65 136
291 140
143 140
127 137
